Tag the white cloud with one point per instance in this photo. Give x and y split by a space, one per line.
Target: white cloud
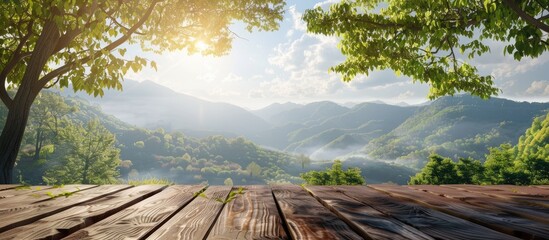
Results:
378 79
538 88
232 78
298 23
406 95
509 67
326 3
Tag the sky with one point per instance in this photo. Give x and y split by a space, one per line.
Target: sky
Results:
291 65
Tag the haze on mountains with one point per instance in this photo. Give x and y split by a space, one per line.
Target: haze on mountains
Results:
460 126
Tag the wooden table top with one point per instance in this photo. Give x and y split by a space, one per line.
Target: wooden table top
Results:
274 212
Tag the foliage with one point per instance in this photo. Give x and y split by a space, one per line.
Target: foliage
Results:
253 169
228 182
48 115
438 170
334 176
535 142
456 126
428 39
89 32
469 171
499 165
524 164
232 195
89 156
82 44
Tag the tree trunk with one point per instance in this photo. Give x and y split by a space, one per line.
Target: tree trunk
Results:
11 138
18 112
38 145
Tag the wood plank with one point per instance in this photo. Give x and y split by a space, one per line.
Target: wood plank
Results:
37 196
492 218
524 190
28 213
508 195
8 186
139 220
64 223
488 201
194 221
251 216
434 223
6 193
306 218
508 190
540 186
365 220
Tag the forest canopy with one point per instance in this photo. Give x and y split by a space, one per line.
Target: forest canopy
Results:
432 41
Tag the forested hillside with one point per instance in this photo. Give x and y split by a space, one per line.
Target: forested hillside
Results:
460 126
524 164
138 153
68 140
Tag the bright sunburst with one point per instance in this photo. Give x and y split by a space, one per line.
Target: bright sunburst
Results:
201 46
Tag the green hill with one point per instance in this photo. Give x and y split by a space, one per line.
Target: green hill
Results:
456 126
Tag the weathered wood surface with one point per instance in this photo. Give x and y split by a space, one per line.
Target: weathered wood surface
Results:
194 221
492 218
306 218
32 196
16 191
141 219
485 200
66 222
254 215
278 212
434 223
367 221
8 186
18 216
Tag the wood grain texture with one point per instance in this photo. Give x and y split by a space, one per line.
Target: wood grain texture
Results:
194 221
20 201
536 199
66 222
138 220
306 218
18 216
365 220
522 190
505 190
251 216
12 192
437 224
492 218
490 201
4 187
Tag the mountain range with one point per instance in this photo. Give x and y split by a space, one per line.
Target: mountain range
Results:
459 126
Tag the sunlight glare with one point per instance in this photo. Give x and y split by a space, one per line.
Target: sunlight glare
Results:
201 46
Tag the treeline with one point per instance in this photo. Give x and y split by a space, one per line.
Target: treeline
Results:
69 141
60 146
526 163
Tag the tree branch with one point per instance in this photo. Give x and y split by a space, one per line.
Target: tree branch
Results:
68 66
11 64
525 16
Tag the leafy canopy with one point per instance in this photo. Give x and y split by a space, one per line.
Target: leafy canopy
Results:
431 41
525 163
334 176
89 35
89 156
